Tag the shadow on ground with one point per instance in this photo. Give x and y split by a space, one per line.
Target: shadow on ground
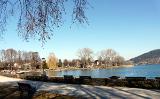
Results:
9 90
46 90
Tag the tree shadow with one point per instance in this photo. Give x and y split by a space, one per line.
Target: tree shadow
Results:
140 96
91 92
10 89
6 89
80 91
102 94
155 90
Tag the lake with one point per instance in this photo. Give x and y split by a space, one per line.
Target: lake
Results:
149 71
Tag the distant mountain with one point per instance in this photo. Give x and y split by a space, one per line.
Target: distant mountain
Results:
152 57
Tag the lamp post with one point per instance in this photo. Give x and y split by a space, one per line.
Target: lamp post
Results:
43 63
44 66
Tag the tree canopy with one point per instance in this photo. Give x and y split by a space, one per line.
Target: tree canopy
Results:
38 18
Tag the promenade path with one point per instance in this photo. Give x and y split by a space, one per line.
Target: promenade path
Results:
87 91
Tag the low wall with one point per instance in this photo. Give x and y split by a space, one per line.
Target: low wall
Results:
134 82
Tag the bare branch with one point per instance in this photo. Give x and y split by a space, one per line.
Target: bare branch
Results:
39 18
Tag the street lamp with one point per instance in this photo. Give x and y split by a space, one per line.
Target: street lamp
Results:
44 67
43 63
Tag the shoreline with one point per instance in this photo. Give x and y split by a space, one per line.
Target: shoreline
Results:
91 68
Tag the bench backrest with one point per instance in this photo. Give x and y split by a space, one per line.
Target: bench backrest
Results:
114 77
85 77
158 78
68 77
135 78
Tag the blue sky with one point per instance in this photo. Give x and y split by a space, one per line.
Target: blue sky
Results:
131 27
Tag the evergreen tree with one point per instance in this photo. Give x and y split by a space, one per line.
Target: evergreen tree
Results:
60 63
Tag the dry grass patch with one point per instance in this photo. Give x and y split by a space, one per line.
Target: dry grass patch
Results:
47 95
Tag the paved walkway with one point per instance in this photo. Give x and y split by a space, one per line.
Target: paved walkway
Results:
87 91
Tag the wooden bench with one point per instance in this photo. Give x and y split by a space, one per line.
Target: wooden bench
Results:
136 78
85 79
157 78
25 87
68 78
114 77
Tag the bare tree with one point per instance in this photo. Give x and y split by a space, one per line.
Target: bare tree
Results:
111 58
72 63
38 18
11 56
100 60
119 60
3 55
86 55
19 57
25 57
108 56
35 59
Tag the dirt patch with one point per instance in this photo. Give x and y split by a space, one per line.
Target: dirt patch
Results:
46 95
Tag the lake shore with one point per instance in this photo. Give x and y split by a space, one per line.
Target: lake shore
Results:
90 68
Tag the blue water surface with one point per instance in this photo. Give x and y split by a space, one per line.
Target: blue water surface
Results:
149 71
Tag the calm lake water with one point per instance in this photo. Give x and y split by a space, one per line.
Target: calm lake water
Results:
149 71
